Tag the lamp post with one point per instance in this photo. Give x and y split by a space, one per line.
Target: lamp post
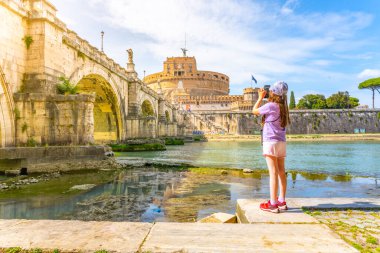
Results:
102 36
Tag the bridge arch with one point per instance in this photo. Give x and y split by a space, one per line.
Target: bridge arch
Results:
107 116
7 112
147 108
167 116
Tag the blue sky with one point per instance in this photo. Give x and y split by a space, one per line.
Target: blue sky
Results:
316 46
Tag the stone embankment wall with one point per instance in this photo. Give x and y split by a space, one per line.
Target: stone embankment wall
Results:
45 158
302 122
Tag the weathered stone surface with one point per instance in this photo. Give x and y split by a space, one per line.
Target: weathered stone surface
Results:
219 218
72 236
244 238
248 211
58 158
11 173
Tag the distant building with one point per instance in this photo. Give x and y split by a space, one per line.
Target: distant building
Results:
362 107
195 90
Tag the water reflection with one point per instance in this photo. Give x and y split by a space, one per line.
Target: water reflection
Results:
150 194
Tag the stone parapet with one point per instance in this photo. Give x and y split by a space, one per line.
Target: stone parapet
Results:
71 39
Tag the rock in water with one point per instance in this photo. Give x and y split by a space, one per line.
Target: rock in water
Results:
82 187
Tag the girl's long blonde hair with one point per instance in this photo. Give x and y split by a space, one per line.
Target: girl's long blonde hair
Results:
282 102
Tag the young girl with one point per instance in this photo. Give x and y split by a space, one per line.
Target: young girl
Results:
275 119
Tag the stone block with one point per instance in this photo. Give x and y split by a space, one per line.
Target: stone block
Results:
219 218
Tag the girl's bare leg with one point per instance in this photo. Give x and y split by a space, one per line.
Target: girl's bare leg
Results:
282 176
273 177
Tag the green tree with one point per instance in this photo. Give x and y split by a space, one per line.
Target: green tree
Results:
341 100
292 103
353 102
371 84
312 101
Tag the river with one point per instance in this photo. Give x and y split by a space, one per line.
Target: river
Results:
148 194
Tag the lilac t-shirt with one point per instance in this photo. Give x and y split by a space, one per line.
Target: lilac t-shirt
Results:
272 130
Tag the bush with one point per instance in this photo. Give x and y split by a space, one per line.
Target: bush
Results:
137 147
31 142
174 141
28 40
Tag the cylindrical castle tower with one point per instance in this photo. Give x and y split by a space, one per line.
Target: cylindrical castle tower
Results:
193 82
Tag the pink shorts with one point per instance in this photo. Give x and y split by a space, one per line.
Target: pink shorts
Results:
274 148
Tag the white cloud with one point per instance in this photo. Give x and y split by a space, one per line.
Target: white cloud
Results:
369 73
233 37
289 7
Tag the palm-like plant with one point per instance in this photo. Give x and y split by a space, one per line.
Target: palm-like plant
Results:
65 87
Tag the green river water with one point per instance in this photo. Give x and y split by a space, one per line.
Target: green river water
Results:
326 169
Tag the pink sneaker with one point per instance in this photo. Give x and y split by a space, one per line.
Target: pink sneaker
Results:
282 206
267 206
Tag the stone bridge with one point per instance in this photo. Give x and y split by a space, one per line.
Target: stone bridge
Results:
109 102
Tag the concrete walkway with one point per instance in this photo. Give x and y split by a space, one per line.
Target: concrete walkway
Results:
292 231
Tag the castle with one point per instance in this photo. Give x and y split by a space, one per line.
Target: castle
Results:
195 90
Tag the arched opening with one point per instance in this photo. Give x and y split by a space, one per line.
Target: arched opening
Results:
6 113
167 116
147 108
107 119
149 122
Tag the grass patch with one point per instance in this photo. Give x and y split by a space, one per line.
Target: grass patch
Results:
257 173
137 147
372 240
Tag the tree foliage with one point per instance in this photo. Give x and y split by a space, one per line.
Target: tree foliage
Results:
312 101
292 102
371 84
65 87
338 100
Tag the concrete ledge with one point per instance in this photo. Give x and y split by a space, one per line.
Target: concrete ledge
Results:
244 238
248 210
335 203
73 236
80 236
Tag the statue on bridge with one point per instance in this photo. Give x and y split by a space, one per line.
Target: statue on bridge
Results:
130 55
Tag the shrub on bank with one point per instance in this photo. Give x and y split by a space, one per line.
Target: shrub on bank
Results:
137 147
174 141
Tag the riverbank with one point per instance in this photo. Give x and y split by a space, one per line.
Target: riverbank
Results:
300 137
